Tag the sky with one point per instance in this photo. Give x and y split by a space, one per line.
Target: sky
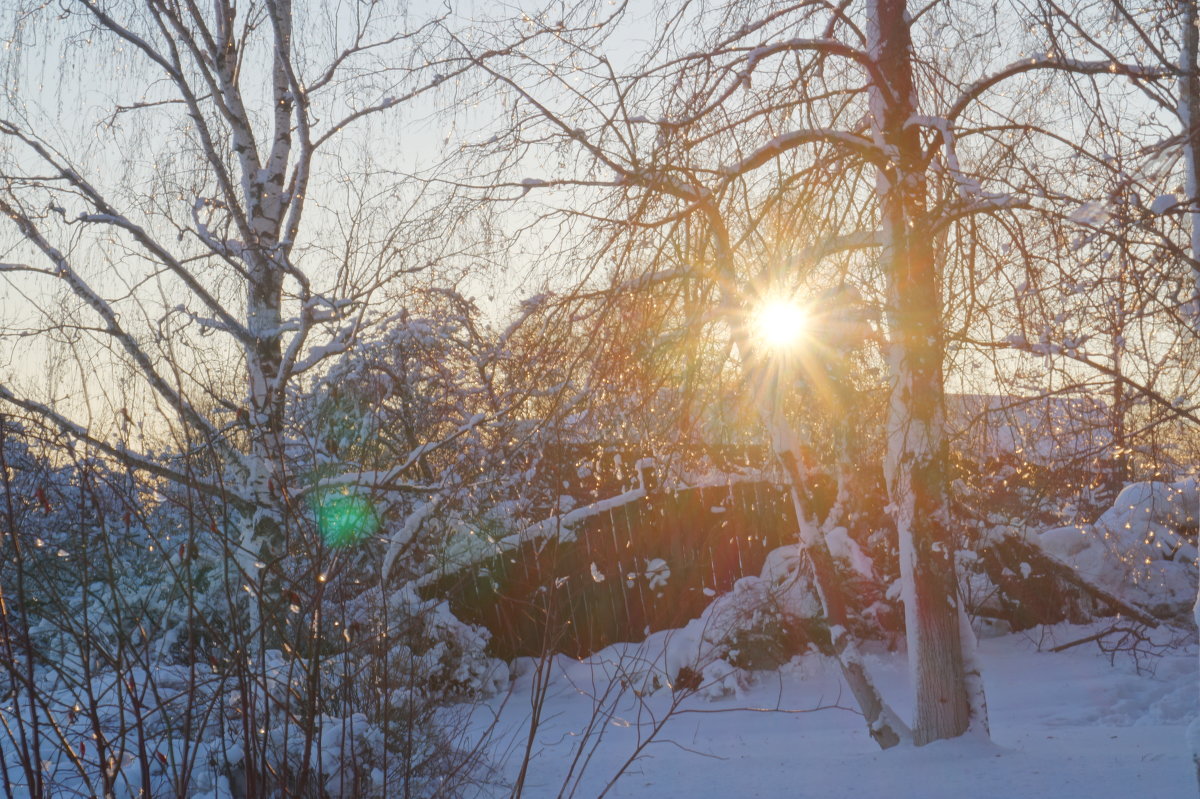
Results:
68 89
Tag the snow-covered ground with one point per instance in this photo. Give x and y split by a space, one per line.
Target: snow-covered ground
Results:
1064 725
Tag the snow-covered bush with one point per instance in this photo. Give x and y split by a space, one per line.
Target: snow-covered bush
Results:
760 624
134 657
1142 549
420 645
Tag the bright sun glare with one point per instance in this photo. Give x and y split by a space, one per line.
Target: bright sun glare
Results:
780 324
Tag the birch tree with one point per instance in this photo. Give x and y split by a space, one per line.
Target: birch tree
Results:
1189 115
206 227
206 208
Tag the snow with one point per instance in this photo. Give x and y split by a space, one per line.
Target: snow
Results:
1044 430
658 573
841 545
1137 549
1164 203
1092 212
401 538
1082 729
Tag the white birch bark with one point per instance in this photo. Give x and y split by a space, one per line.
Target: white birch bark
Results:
883 723
1189 115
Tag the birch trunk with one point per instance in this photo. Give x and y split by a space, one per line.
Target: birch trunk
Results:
916 464
883 723
263 165
1189 115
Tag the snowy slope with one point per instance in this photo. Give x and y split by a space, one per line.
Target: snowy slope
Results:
1064 725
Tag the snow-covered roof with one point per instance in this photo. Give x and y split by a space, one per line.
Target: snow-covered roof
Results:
1043 429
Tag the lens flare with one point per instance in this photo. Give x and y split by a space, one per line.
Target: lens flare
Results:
345 519
780 324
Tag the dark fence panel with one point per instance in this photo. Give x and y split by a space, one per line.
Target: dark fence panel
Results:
649 564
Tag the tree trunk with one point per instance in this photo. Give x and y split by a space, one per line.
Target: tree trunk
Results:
1189 115
883 724
916 464
264 177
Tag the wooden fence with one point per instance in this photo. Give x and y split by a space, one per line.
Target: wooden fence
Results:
648 564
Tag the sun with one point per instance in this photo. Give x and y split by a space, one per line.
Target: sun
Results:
780 324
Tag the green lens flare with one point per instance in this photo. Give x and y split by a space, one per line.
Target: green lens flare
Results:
345 519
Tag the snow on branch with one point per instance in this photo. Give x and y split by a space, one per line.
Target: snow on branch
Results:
790 141
560 527
107 215
111 319
967 187
337 344
399 540
121 453
641 282
390 478
831 47
831 245
1058 64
